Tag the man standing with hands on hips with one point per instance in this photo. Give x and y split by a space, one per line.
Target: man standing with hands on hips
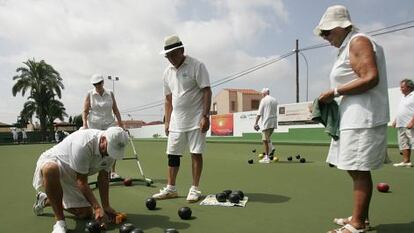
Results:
187 105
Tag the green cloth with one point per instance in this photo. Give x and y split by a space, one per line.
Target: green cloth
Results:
328 115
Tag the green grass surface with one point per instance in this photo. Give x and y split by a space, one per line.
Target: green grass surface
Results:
283 197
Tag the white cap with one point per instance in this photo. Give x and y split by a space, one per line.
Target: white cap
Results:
97 78
265 90
171 43
117 140
334 16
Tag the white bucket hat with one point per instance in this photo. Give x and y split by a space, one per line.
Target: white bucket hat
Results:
334 16
171 43
117 140
265 90
97 78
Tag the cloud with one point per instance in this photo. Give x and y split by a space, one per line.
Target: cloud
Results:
123 38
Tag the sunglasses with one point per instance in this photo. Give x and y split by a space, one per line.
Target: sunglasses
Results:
96 84
325 33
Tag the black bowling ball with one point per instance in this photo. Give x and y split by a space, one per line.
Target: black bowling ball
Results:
151 203
136 230
93 226
126 228
240 193
234 198
170 230
227 192
221 197
184 213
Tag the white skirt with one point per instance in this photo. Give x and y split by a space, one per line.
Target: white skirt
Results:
359 149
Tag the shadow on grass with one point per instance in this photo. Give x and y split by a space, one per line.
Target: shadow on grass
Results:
267 198
142 221
395 228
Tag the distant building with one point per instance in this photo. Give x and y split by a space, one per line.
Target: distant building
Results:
130 124
236 100
5 127
64 126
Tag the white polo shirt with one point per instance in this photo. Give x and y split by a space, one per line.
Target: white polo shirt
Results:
80 150
268 112
405 110
186 84
100 114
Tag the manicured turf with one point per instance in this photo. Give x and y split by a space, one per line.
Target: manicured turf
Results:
285 197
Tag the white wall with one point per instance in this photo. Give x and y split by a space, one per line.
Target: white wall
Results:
244 121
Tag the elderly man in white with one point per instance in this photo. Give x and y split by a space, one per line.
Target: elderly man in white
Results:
267 114
187 105
63 172
404 122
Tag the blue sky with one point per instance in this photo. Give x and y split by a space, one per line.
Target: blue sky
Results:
123 38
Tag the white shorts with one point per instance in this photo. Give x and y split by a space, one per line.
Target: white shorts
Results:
405 138
72 196
194 139
359 149
267 133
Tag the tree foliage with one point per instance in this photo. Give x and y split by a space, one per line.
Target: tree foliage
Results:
43 84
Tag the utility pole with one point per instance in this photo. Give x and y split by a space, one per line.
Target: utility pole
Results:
297 70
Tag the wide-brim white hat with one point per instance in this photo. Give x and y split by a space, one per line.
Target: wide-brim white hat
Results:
97 78
117 140
334 16
171 43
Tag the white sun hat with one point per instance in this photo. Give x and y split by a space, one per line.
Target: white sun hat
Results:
171 43
97 78
334 16
117 140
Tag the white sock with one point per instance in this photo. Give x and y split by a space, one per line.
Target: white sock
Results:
194 187
171 187
61 223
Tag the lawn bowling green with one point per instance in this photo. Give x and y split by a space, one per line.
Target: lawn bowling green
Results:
282 195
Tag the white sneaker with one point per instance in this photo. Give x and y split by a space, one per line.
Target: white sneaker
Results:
403 164
114 175
193 195
265 160
165 193
59 227
39 204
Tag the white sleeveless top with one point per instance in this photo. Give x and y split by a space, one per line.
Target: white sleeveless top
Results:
366 110
100 114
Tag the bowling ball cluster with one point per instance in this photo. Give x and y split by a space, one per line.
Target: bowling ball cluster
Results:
232 196
298 157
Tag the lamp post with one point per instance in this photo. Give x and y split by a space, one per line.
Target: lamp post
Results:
307 74
113 79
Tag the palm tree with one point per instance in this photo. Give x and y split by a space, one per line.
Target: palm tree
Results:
44 83
55 110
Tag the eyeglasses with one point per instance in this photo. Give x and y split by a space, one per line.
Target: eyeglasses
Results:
325 33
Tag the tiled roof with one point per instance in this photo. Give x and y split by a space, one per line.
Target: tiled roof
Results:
244 91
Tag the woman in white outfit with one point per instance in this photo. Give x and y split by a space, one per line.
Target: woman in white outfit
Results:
359 76
99 105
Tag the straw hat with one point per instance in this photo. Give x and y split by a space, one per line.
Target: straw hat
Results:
171 43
